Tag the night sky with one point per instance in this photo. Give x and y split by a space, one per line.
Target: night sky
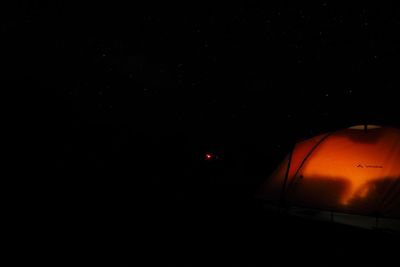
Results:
133 97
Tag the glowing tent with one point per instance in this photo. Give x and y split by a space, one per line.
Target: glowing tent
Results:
354 170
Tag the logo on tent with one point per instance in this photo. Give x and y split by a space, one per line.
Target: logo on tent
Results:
374 166
369 166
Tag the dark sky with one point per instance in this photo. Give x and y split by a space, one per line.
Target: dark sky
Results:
150 88
116 106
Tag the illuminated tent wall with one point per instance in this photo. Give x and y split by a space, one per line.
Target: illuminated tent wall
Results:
354 170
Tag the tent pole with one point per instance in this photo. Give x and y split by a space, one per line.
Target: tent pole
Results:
282 200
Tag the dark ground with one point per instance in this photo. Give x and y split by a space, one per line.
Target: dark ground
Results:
116 106
187 224
223 236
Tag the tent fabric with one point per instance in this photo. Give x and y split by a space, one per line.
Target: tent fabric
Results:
354 170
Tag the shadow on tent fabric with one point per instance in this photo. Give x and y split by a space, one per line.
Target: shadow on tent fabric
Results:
377 197
382 197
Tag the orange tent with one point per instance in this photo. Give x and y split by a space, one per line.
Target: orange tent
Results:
354 170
